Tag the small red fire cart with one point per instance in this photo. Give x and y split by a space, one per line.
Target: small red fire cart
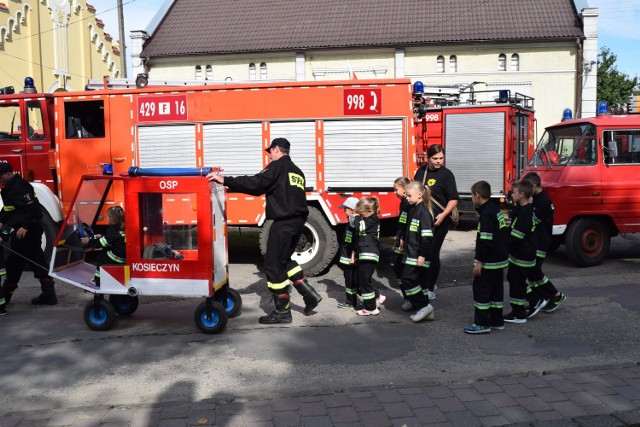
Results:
176 244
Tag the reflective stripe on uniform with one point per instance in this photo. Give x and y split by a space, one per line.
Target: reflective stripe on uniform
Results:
522 263
370 295
294 270
368 256
515 301
413 291
486 236
115 257
278 286
482 305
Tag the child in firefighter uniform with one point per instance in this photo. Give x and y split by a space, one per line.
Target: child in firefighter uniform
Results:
21 217
367 246
284 185
347 259
491 258
522 250
417 251
113 242
403 210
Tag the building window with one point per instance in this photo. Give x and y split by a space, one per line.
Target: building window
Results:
515 62
252 71
263 71
198 72
502 62
209 73
440 64
453 64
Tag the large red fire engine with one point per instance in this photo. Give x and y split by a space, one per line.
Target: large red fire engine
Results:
349 137
590 168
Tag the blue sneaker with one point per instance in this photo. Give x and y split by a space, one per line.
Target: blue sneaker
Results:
477 329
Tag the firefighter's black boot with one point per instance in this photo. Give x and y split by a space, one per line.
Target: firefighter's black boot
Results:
48 295
9 289
282 313
309 295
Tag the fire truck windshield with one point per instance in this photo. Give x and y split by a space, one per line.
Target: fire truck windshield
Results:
566 146
10 122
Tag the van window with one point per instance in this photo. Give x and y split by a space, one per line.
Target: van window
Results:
35 122
566 146
9 122
621 146
84 119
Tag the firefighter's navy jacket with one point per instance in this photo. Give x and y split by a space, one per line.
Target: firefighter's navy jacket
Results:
418 236
349 238
523 240
404 209
492 239
367 242
114 243
282 182
21 207
544 211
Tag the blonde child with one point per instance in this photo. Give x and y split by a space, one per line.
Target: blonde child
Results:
367 245
417 251
399 189
113 242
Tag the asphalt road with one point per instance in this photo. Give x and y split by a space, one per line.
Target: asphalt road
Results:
49 359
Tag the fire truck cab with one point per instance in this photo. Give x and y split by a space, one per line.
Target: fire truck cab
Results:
590 168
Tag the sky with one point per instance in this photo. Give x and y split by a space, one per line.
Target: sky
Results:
618 25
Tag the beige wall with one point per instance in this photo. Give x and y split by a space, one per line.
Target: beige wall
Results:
69 50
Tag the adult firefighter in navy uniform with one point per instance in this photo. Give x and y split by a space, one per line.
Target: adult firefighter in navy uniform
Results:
21 213
283 183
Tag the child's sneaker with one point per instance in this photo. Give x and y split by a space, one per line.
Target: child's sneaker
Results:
365 312
554 303
477 329
431 295
512 318
497 327
536 308
425 312
406 305
346 306
380 300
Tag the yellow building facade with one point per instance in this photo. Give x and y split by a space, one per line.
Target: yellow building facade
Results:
61 44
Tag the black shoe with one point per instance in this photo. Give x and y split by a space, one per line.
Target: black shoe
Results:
44 299
554 303
536 309
310 296
513 318
276 317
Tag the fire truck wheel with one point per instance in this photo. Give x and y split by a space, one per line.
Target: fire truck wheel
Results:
105 317
317 247
233 303
49 234
124 305
587 242
216 323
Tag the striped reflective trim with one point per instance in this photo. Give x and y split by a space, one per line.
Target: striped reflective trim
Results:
370 295
495 265
397 250
103 242
97 274
348 236
278 286
368 256
522 263
345 260
413 291
350 291
414 225
486 236
541 254
2 301
414 262
3 271
499 305
517 234
515 301
482 305
426 233
8 208
115 257
402 219
294 270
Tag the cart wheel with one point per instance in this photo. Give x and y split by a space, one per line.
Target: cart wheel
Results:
124 305
214 324
232 303
100 318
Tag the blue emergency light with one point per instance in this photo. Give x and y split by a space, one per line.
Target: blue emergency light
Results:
418 87
567 114
603 108
29 86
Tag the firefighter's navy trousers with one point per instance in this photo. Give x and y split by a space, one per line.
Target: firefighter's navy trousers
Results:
284 235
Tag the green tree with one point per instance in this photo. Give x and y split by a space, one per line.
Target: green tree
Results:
613 86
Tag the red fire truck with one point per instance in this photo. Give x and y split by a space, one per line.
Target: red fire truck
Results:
349 137
590 168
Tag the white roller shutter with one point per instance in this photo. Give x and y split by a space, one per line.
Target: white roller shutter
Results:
235 147
474 147
163 146
302 136
362 153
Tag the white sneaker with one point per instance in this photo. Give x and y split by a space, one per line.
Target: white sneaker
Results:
406 305
380 300
364 312
423 313
431 295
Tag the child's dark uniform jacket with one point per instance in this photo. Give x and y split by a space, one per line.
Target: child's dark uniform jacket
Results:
523 244
418 238
113 244
405 208
367 245
346 249
539 284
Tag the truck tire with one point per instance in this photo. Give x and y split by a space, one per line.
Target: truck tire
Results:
49 234
317 247
587 242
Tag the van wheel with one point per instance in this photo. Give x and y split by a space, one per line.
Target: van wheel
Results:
317 247
587 242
